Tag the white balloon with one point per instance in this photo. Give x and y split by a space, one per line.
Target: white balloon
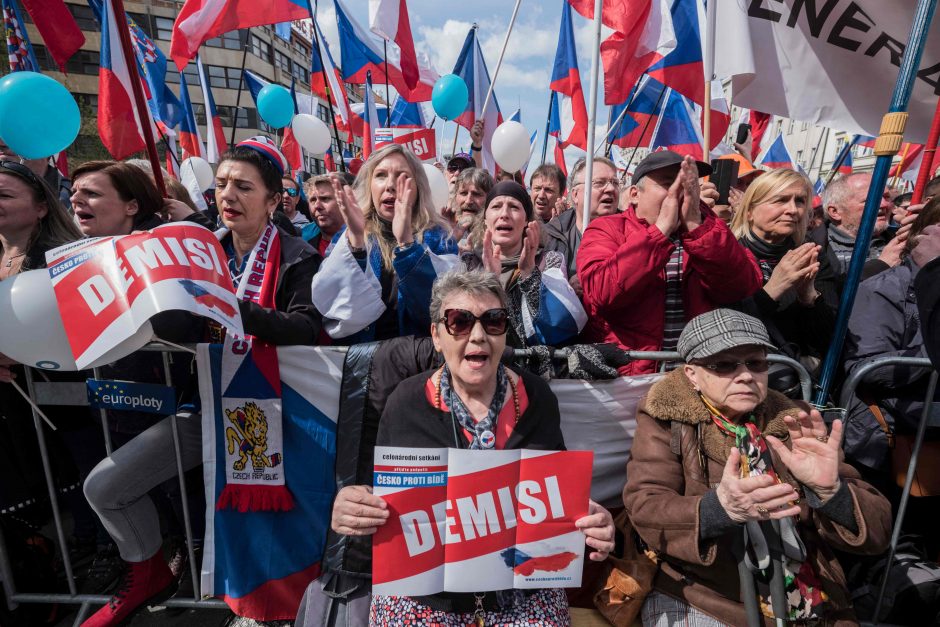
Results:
198 170
32 332
440 190
311 133
510 146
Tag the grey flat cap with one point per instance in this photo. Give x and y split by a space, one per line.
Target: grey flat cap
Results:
720 330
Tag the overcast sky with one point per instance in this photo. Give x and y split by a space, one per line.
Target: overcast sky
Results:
440 27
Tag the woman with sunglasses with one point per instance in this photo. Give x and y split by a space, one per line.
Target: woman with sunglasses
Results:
543 308
474 402
781 489
376 281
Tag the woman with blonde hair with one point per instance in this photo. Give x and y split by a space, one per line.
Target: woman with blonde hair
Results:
376 282
771 224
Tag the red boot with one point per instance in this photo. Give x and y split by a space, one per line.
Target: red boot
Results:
144 583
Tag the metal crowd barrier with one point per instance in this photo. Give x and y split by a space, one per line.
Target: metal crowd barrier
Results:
73 394
848 393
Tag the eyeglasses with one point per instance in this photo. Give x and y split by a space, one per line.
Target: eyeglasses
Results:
23 172
460 321
724 367
456 167
602 183
290 191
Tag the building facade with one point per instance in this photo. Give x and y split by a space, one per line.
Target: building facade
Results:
258 49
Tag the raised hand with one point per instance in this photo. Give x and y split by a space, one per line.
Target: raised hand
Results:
668 220
690 211
754 498
358 512
352 212
492 255
476 133
559 208
813 458
795 267
927 246
709 194
530 245
405 192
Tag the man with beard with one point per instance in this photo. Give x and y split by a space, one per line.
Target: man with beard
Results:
470 189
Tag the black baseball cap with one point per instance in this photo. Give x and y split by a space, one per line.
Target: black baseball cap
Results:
461 159
665 159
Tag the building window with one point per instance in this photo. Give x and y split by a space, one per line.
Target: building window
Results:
84 16
231 41
142 21
323 112
301 73
163 27
89 100
260 49
225 77
191 71
83 62
282 61
245 116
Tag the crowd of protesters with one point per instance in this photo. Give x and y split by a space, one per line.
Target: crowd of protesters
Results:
660 266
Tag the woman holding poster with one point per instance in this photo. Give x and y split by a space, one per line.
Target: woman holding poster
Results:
272 272
784 499
376 282
472 402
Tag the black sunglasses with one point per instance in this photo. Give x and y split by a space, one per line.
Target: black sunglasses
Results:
456 167
290 191
460 321
724 367
23 172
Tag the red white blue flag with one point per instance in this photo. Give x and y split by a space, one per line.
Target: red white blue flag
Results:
290 147
678 129
260 562
326 81
643 108
778 155
201 20
370 119
19 50
119 121
190 137
389 19
566 80
362 52
471 68
215 135
407 114
682 68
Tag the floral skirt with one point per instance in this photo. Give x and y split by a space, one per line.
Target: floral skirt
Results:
545 607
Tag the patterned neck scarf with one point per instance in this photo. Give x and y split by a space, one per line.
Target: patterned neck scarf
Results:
805 598
484 431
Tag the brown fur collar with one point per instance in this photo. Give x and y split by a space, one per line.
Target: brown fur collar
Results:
674 399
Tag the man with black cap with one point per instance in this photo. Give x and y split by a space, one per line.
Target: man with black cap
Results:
455 165
662 261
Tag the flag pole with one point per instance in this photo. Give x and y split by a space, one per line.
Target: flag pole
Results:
711 20
886 146
241 82
838 162
388 100
926 165
326 85
824 136
907 148
646 127
143 112
592 115
499 63
548 123
613 128
453 151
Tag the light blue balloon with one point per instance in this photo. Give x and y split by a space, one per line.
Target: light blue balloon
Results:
275 106
38 115
449 96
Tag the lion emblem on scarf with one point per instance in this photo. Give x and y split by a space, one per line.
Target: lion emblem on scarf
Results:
250 437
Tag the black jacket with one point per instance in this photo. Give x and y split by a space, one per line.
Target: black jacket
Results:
562 235
410 421
927 291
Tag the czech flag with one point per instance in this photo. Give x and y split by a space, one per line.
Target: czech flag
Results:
370 119
471 68
643 35
201 20
215 135
846 166
328 162
60 32
911 159
389 19
682 68
637 126
759 122
190 137
554 129
330 87
720 114
678 129
358 118
566 80
778 156
407 114
118 118
361 52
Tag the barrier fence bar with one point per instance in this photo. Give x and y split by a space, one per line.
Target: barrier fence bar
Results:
88 601
103 414
848 392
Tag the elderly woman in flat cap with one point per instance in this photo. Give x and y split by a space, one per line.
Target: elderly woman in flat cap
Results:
742 492
543 309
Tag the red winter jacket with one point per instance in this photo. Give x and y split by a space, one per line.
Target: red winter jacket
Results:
622 269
